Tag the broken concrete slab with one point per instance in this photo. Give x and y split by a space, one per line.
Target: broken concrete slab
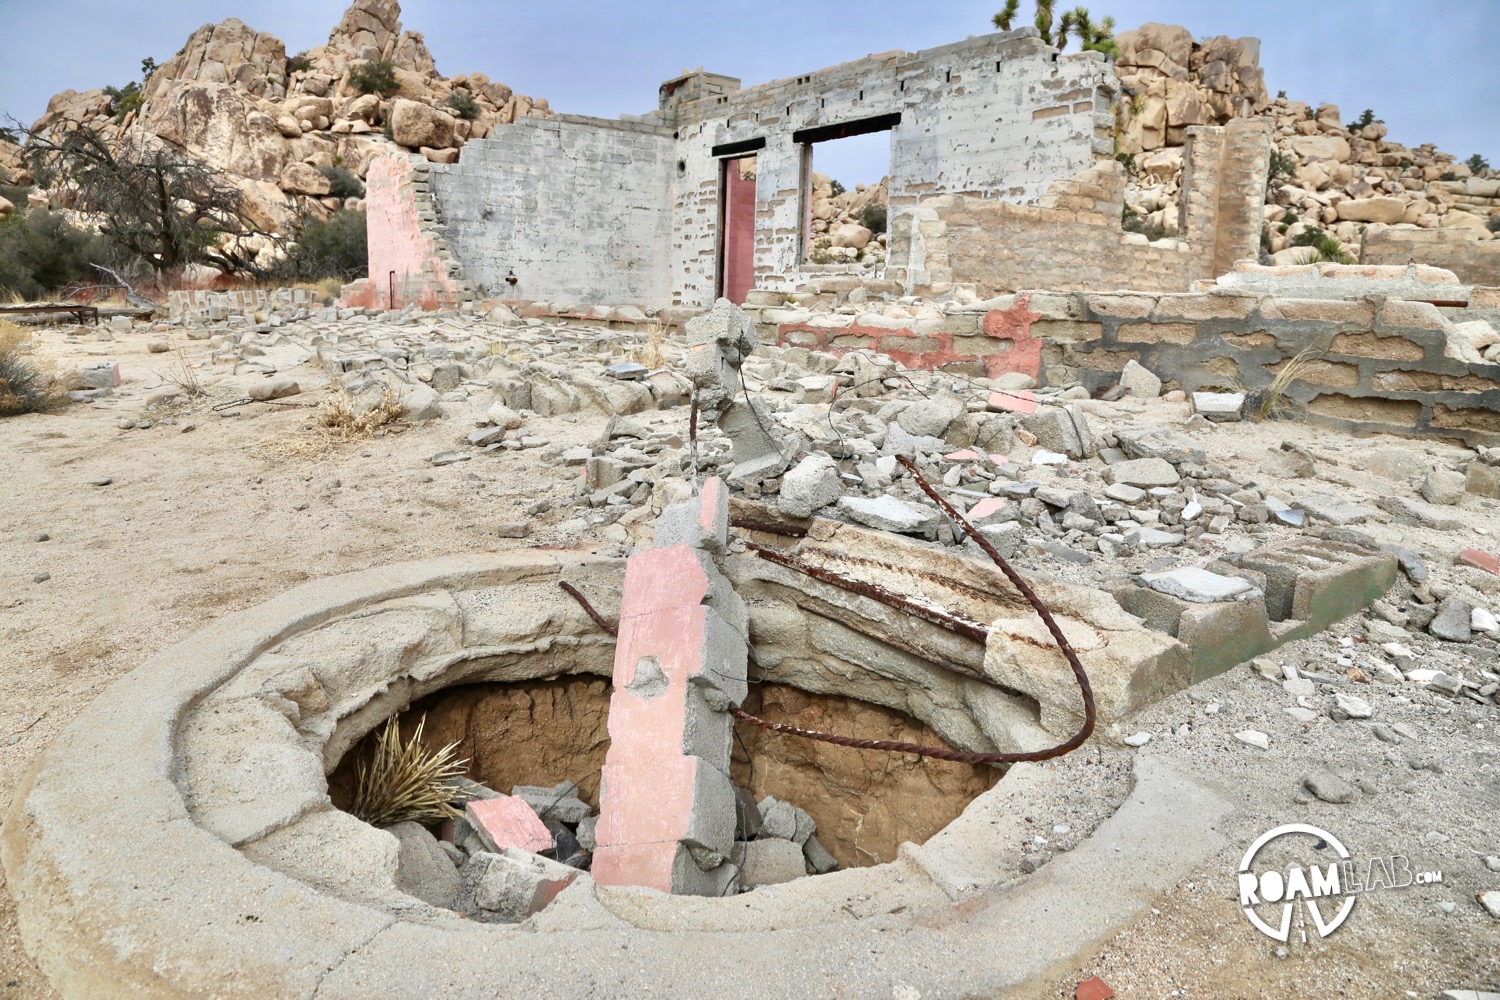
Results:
511 885
887 513
508 821
1199 586
1141 472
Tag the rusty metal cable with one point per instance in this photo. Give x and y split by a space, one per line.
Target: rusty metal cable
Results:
938 753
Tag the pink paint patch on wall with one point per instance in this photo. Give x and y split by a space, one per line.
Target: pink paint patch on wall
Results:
1014 325
404 262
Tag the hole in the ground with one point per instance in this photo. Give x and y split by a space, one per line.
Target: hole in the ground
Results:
866 803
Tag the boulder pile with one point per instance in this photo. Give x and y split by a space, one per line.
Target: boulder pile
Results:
276 126
1336 175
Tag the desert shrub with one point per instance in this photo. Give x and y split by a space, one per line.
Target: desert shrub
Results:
837 188
1308 237
1367 117
1281 168
124 100
1493 225
343 183
873 217
14 194
297 63
40 252
24 386
1477 164
405 782
1291 218
1447 175
1128 159
335 248
463 104
378 77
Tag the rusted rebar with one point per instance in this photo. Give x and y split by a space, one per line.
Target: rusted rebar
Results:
870 590
583 602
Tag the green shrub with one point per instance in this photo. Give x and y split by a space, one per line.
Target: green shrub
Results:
335 248
1128 159
1493 225
838 188
1291 218
24 386
40 252
9 135
1367 117
1282 167
124 100
1308 237
1447 175
378 77
1477 164
463 104
873 217
342 183
297 63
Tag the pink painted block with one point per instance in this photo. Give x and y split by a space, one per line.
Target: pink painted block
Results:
1013 401
648 865
509 822
998 458
662 578
987 508
1483 560
962 456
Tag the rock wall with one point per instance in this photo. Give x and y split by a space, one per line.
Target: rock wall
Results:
232 98
1366 359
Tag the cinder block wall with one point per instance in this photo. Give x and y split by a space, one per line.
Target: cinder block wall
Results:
999 116
578 209
409 261
1071 240
1476 262
1371 364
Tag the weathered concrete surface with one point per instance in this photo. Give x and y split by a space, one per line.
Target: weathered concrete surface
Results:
172 910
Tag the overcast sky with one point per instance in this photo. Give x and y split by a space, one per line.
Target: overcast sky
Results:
1430 68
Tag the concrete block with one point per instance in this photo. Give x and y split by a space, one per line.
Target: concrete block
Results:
509 886
772 861
508 822
559 802
1317 581
423 869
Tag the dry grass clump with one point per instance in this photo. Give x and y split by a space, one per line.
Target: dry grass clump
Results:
184 377
25 385
1270 402
404 782
650 354
339 421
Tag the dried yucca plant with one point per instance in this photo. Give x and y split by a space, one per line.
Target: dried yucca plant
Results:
403 782
650 354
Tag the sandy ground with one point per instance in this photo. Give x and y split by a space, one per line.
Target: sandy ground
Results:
196 523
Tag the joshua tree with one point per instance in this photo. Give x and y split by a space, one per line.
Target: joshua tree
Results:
1077 23
1007 16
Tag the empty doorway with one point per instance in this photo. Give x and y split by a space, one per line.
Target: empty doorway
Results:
736 227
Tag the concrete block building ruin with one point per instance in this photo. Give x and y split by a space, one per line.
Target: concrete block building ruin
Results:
1005 251
998 145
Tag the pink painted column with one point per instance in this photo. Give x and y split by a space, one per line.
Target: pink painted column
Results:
667 810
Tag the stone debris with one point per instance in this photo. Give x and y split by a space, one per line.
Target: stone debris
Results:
508 821
510 885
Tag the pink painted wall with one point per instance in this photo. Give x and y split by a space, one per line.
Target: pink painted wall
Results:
399 243
739 234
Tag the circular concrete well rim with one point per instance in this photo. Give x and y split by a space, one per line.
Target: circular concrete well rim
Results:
177 839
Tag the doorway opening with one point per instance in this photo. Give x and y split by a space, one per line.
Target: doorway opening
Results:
736 227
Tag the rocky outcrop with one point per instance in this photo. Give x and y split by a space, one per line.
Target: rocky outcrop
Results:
1336 176
232 98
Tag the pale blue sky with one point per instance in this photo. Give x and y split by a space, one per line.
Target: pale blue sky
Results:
1431 69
